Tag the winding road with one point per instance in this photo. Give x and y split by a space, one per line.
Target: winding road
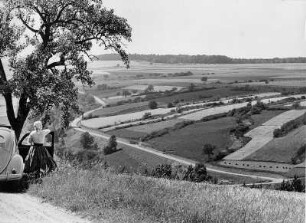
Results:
21 207
76 125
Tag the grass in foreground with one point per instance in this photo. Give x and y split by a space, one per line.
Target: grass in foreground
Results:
102 195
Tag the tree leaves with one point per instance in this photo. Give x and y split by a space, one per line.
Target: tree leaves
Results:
61 33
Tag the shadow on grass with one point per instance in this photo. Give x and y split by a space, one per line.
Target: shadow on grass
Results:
114 151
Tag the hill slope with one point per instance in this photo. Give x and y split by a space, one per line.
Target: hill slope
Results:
102 195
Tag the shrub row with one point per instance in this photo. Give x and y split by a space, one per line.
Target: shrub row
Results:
289 126
197 173
165 131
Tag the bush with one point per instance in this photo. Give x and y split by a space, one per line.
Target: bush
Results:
240 130
88 141
111 146
296 185
299 156
170 105
204 79
179 172
147 115
208 149
289 126
152 104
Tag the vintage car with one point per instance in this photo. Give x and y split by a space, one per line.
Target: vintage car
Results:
12 155
11 163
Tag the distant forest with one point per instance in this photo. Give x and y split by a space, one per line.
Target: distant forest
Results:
200 59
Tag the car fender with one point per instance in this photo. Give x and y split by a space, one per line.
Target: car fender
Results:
16 164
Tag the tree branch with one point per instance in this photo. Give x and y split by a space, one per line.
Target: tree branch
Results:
60 13
61 62
25 23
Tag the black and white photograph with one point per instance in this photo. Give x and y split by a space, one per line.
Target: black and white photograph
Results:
152 111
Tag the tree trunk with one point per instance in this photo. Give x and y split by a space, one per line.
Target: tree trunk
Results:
23 110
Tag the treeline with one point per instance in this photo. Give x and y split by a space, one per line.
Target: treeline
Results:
200 59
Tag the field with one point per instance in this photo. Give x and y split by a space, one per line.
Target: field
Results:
285 117
113 120
121 109
154 126
129 158
212 111
208 94
284 83
264 134
189 141
136 132
281 149
223 72
156 88
264 116
127 133
133 161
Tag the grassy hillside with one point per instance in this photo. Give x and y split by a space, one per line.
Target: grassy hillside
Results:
129 158
102 195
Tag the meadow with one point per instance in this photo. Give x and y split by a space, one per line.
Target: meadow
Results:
263 134
281 149
189 141
121 109
127 159
101 195
222 72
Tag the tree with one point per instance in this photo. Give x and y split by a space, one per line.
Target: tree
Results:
204 79
191 87
48 44
87 141
111 146
150 88
152 104
126 93
208 149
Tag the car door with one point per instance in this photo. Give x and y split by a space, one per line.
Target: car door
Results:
24 146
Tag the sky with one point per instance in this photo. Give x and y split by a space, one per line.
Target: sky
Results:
236 28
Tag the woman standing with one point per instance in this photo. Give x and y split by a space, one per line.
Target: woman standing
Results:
38 161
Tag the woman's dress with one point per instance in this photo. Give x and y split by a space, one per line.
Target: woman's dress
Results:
38 161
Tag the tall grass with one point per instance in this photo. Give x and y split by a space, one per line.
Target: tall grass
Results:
103 195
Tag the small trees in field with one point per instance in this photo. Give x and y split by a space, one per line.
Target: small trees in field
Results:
208 149
197 173
88 141
204 79
111 146
152 104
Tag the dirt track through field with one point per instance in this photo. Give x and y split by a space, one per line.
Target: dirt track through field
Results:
23 208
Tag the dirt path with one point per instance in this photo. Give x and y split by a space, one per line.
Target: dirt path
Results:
23 208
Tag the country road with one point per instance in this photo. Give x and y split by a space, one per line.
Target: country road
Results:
16 207
76 125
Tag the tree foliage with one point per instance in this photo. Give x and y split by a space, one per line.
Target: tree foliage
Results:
58 36
152 104
111 146
208 149
88 141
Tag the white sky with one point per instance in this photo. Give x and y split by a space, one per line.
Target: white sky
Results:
236 28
